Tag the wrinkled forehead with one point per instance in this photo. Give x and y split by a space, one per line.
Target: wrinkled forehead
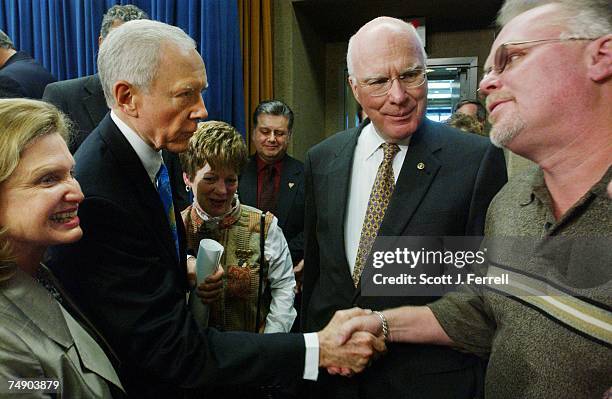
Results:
385 47
538 23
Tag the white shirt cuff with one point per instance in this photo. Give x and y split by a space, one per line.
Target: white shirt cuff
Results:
311 360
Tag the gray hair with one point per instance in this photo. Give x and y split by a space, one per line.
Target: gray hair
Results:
273 107
5 41
397 22
132 53
579 18
120 13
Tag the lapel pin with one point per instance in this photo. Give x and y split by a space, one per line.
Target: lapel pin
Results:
291 184
420 166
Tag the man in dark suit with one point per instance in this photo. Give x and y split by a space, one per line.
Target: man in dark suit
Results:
82 99
273 123
20 74
547 328
128 272
274 181
397 174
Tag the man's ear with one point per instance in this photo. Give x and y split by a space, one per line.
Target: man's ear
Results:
353 83
125 96
600 58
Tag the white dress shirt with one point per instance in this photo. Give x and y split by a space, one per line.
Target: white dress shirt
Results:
152 160
367 159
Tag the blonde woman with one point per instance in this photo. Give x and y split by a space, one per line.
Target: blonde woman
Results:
211 164
43 336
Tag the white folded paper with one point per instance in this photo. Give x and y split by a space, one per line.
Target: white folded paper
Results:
207 262
209 255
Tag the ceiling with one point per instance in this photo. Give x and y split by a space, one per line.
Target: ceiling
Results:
337 20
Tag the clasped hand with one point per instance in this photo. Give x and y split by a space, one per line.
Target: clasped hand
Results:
345 348
347 345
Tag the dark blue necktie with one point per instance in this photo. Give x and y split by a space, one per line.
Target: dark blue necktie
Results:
165 194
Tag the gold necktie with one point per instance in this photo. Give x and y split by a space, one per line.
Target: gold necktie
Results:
377 205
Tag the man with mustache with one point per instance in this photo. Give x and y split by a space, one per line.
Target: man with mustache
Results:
397 174
547 333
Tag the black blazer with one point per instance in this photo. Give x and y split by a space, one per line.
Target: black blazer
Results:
449 196
290 204
82 99
126 275
22 76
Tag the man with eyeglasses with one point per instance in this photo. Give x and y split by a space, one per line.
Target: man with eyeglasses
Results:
129 271
397 174
548 331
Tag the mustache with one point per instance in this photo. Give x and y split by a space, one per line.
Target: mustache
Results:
499 96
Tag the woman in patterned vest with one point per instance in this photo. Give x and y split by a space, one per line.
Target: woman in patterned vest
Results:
211 165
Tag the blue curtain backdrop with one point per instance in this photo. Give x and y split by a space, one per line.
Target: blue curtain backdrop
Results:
63 36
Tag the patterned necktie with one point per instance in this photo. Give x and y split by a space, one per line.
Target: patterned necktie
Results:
377 205
267 199
165 194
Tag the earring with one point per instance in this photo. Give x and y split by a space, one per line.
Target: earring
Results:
187 188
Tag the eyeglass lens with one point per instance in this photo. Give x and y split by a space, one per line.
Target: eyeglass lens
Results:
500 59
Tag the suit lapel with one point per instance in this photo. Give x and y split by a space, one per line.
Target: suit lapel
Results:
37 304
152 213
418 172
287 190
94 101
71 307
338 179
90 353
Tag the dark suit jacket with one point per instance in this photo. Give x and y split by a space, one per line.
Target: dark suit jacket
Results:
22 76
290 204
449 197
82 99
125 274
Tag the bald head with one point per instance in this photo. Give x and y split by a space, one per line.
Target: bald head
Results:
375 31
387 73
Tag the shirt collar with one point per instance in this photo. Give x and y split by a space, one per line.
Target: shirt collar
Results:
537 188
202 220
261 164
151 159
601 188
371 140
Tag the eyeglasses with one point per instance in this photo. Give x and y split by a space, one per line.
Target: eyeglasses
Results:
377 87
502 55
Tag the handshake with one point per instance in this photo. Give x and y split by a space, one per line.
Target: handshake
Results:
351 341
347 345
